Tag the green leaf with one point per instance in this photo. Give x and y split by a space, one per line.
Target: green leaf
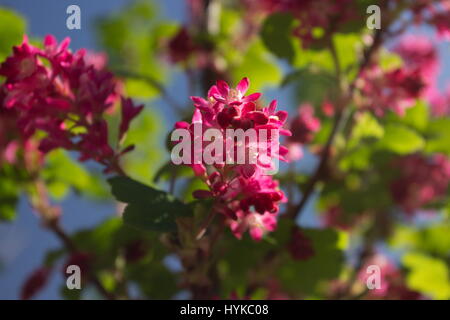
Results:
276 35
326 264
367 126
153 279
146 135
168 170
427 275
312 84
438 136
131 38
257 64
148 208
434 239
416 117
12 29
9 195
58 164
401 139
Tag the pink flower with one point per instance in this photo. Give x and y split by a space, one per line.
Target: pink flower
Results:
421 181
35 283
181 46
394 90
300 246
58 92
304 125
435 13
335 217
295 151
129 112
311 14
440 102
256 224
392 283
247 197
419 53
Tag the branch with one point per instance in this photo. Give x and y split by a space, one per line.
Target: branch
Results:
321 168
71 247
50 218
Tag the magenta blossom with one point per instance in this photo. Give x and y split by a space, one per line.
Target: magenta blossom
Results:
303 128
394 90
421 181
56 91
419 53
247 198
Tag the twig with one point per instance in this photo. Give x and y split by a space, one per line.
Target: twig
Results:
50 218
206 224
71 247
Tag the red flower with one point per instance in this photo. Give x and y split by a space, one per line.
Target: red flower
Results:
35 282
246 196
300 246
66 98
421 181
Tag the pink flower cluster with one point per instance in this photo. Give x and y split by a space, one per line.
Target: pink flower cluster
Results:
303 128
310 14
394 90
300 246
435 13
247 198
58 92
419 53
440 102
421 181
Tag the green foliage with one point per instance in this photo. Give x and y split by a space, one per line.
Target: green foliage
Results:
63 173
312 84
427 275
347 48
434 239
366 127
12 29
416 117
131 38
438 135
9 193
170 170
401 139
276 35
257 62
147 208
105 244
326 264
146 135
12 181
253 58
153 279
